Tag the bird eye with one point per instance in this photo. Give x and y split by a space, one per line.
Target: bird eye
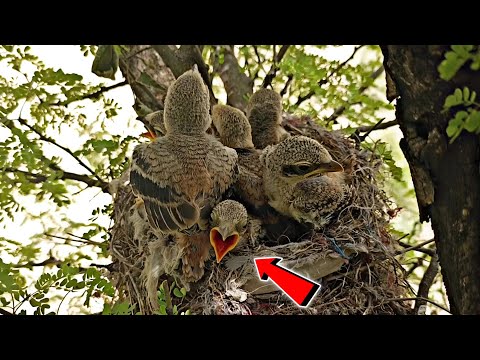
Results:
295 170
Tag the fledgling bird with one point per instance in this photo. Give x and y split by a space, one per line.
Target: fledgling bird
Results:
181 176
302 180
264 112
156 125
232 227
235 132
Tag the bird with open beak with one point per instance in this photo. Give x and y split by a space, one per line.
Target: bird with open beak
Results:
301 180
228 222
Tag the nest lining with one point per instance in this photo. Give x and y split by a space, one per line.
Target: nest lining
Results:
352 257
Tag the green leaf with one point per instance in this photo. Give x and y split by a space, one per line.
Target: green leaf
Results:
466 93
473 96
184 291
451 101
472 122
162 310
177 293
458 94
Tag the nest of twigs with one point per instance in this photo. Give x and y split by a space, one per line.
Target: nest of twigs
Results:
353 257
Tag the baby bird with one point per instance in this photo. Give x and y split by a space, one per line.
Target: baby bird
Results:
231 227
181 176
302 180
264 112
235 132
229 222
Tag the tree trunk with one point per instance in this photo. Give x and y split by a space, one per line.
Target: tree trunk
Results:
446 176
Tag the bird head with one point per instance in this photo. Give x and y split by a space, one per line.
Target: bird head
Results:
187 105
265 96
232 126
229 221
298 158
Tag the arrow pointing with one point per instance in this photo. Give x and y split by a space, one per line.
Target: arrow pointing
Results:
298 288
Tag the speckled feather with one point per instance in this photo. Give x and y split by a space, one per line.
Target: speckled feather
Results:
311 200
264 112
188 178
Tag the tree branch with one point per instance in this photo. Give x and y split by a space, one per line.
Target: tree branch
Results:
183 59
53 142
378 126
273 70
287 84
80 240
93 95
418 246
323 81
39 178
429 252
237 85
427 282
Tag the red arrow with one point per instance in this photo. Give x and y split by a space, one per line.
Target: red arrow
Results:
298 288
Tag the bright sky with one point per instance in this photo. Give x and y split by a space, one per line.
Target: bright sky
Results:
70 59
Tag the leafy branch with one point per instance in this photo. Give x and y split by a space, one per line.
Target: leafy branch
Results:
324 80
273 70
94 95
67 150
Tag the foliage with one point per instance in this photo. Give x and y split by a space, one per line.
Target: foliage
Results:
461 104
43 176
166 301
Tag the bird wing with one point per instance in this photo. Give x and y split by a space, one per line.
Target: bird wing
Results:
152 177
222 165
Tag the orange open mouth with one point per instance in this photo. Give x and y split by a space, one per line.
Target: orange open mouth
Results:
220 245
149 134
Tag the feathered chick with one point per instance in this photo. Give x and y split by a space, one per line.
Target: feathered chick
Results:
156 126
232 126
234 131
228 227
264 112
302 180
183 175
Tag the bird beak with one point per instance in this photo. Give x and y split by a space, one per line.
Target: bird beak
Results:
223 241
331 166
149 134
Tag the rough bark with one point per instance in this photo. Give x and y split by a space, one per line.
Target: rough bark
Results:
147 75
237 85
446 176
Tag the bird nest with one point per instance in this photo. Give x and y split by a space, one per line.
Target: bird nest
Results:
353 258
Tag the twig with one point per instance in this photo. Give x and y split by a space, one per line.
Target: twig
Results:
38 178
94 95
422 244
53 142
380 125
417 264
61 302
326 78
287 84
426 282
81 240
429 252
273 70
419 298
341 109
50 261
